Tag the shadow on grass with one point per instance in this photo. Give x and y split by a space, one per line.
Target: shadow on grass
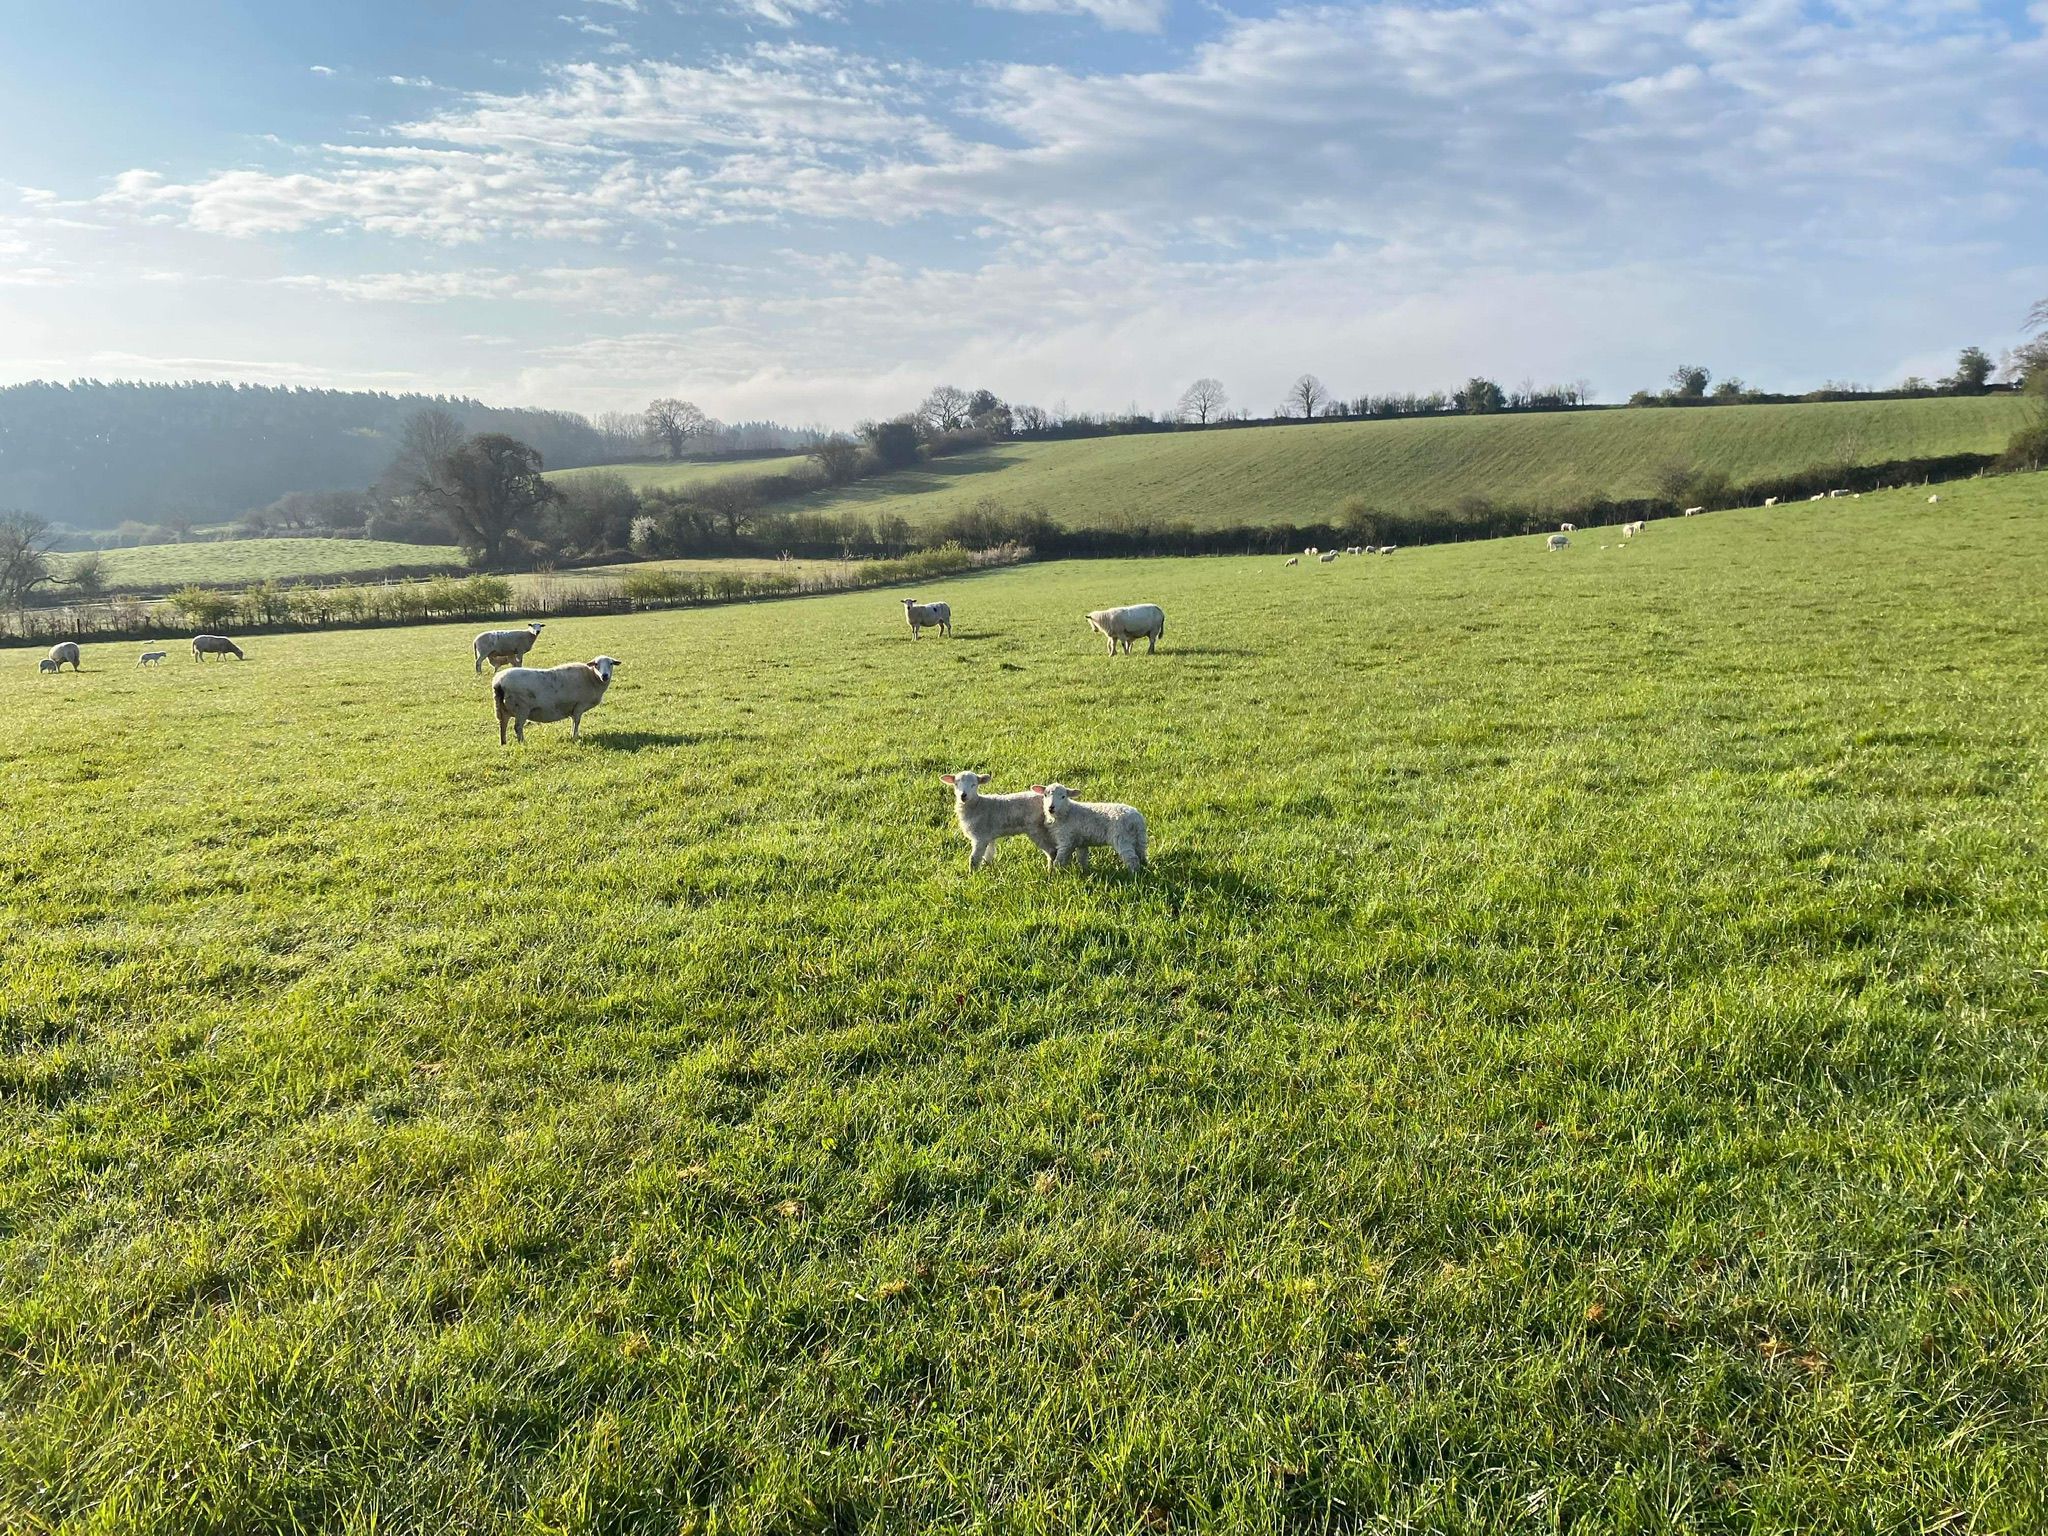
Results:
1208 650
641 741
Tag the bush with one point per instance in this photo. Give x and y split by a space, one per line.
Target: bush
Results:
2028 448
203 607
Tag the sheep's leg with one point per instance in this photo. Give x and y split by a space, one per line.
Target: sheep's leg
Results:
502 718
1151 644
978 855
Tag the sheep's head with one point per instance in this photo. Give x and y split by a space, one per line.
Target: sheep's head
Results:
536 625
603 666
910 602
964 783
1056 796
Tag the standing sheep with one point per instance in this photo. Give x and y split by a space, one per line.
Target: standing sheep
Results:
1556 541
1083 824
986 819
1326 557
567 692
204 646
1293 560
1567 527
150 658
924 616
1770 501
1123 625
63 651
46 665
502 646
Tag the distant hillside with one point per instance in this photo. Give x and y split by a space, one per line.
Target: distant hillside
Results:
675 475
1305 474
93 454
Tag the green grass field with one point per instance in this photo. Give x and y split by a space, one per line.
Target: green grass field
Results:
234 561
668 475
1575 1062
1301 475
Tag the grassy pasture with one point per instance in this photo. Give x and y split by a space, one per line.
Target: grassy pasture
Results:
1576 1061
230 561
673 475
1264 475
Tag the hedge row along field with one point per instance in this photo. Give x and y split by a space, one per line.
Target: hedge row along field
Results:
1576 1061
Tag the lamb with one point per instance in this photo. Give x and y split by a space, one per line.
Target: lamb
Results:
1557 541
986 819
1293 560
1326 557
501 647
1567 527
46 665
1311 550
204 646
1630 530
1770 501
1932 500
150 658
1081 825
1832 495
1123 625
928 616
1694 511
1818 496
566 692
63 651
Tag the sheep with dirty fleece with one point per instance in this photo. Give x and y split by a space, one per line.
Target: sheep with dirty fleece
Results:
567 692
923 616
61 652
501 647
1146 621
986 819
1078 825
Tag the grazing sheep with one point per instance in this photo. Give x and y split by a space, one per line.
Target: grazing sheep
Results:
1293 560
63 651
1123 625
46 665
986 819
1356 549
150 658
1326 557
1630 530
1833 494
1567 527
566 692
1770 501
1694 511
1818 496
1387 549
1557 541
502 646
1311 550
1081 825
1932 500
923 616
204 646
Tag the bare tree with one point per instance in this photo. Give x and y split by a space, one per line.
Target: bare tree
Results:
624 432
429 437
25 545
944 409
1306 398
672 423
838 459
1203 401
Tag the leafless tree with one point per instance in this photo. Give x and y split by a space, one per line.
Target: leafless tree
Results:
672 423
1306 398
25 544
944 409
838 459
1203 401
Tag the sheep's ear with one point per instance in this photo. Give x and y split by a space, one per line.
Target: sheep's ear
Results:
948 778
1038 789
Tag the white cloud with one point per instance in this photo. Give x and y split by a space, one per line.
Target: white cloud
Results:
1126 15
319 69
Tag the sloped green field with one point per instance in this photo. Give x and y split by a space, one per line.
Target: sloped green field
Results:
1575 1062
1305 474
671 475
162 566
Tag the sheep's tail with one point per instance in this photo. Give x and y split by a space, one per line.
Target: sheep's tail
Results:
498 693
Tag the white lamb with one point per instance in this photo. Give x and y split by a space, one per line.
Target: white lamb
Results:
1078 825
1770 501
1293 560
1694 511
1557 541
1567 527
924 616
1123 625
46 665
986 819
1932 500
150 658
63 651
566 692
501 647
1818 496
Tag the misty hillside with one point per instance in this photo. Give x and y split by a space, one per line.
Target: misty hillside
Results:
91 454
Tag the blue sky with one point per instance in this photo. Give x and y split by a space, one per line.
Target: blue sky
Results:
815 209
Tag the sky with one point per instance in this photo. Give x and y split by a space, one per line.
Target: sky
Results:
814 210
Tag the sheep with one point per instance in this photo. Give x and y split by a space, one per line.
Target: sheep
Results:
1567 527
566 692
1694 511
1356 549
1311 550
502 646
1557 541
1818 496
927 615
1630 530
1833 495
986 819
1770 501
1293 560
150 658
1078 825
1123 625
1932 500
1387 549
63 651
1326 557
46 665
204 646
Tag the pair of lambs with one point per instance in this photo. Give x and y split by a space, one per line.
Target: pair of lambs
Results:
1057 824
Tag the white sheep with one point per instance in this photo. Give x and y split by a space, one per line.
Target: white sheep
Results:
1832 495
986 819
46 665
1694 511
1293 560
1630 530
1932 500
566 692
1326 557
63 651
150 658
1567 527
1770 501
1082 824
1387 549
1311 550
1123 625
924 616
1557 541
1356 549
1818 496
502 647
204 646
